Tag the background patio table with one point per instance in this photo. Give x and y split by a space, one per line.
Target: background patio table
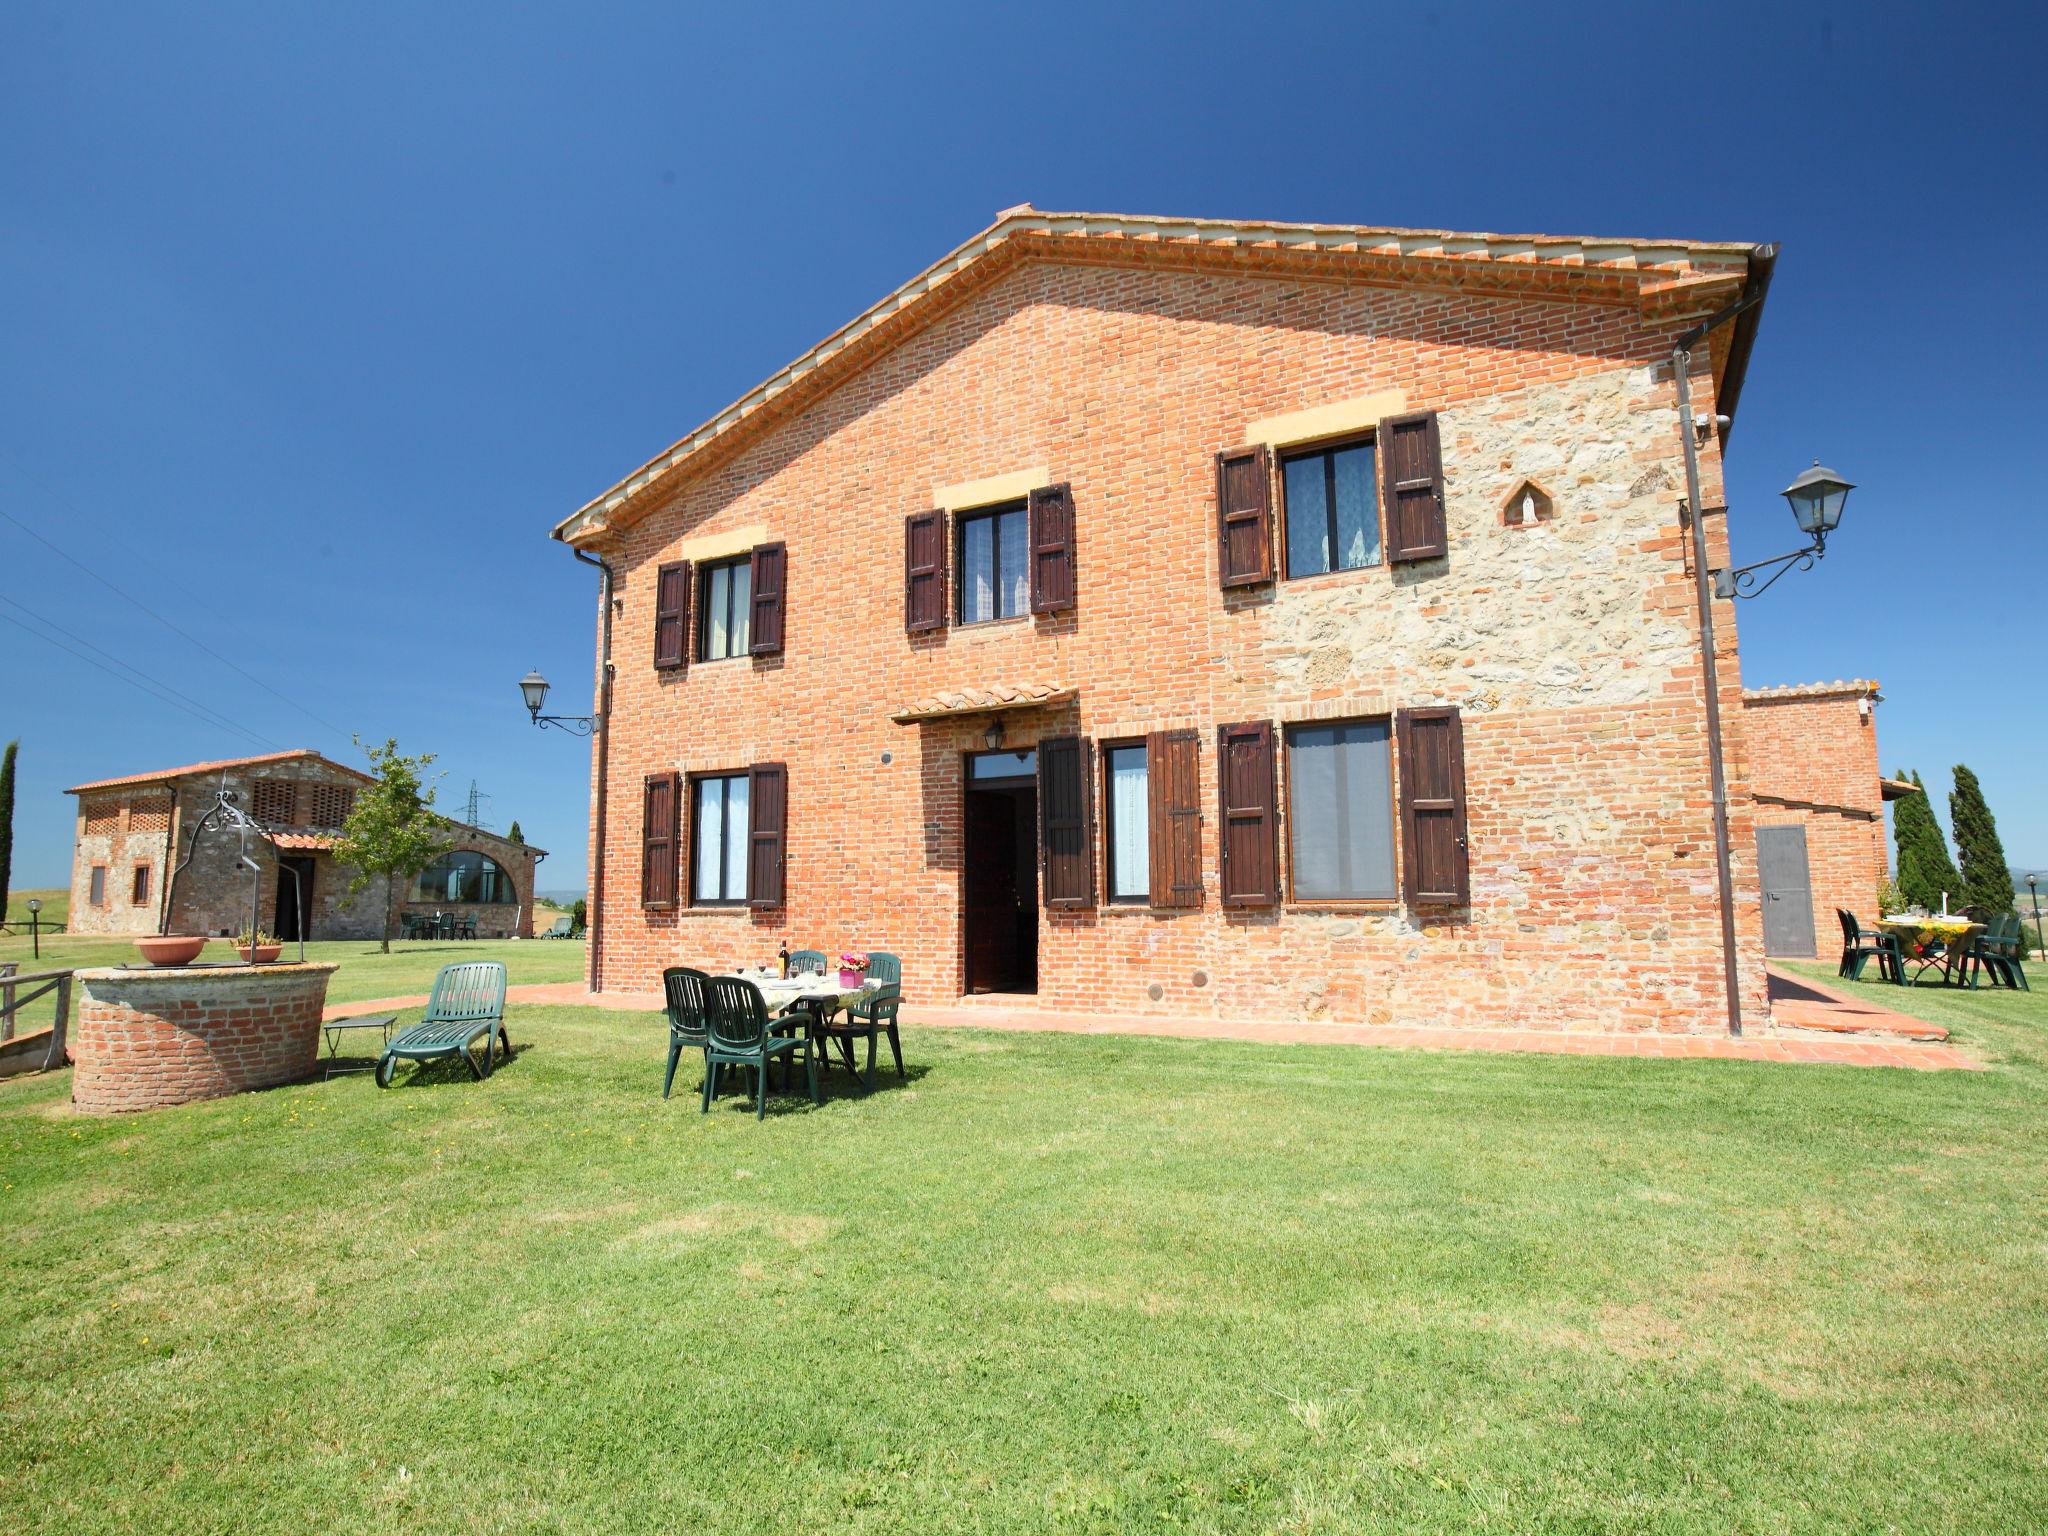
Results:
1942 941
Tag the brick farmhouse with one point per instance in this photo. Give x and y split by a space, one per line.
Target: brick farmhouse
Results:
133 831
1196 618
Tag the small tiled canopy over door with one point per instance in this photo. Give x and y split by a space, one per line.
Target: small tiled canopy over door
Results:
1063 805
661 796
769 584
1249 840
1172 765
1244 516
924 572
1412 469
1435 870
767 833
672 615
1052 549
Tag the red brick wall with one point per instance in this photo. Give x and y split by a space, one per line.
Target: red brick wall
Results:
1570 649
1814 764
145 1041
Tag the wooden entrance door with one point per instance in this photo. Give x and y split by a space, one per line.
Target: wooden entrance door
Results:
293 899
1001 914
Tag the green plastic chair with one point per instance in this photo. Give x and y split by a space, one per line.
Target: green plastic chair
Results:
874 1014
468 1002
688 994
1860 945
740 1037
811 962
560 928
1998 949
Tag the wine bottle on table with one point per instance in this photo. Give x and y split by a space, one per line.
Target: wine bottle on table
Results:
782 955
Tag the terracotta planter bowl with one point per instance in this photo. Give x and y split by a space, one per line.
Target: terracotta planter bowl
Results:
171 948
258 954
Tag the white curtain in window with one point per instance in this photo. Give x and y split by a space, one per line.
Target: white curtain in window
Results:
1130 853
717 593
1341 811
1016 565
742 610
736 838
709 816
977 585
1358 523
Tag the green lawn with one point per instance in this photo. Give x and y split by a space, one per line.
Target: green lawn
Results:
56 907
364 973
1053 1284
2011 1023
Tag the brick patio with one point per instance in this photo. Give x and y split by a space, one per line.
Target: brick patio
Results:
1850 1032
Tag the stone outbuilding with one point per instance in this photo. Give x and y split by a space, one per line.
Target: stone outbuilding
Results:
1820 800
134 830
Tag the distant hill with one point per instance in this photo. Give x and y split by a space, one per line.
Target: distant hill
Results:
560 898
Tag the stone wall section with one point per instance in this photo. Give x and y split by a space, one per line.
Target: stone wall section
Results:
1570 647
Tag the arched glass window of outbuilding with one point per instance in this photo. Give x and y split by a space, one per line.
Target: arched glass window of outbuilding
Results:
466 877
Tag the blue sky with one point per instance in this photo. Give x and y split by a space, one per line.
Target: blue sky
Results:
313 321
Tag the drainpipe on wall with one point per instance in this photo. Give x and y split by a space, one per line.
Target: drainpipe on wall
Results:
595 925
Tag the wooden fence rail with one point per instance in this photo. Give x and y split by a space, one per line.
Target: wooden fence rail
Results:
32 1053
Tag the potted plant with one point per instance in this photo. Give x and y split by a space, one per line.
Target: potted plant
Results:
257 947
853 970
170 948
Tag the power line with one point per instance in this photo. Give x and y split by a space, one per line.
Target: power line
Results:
147 684
214 716
138 602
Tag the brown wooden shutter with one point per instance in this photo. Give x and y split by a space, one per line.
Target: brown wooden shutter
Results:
1249 841
1063 805
1052 549
767 833
1435 866
924 571
672 614
660 798
1244 516
1412 487
769 583
1172 769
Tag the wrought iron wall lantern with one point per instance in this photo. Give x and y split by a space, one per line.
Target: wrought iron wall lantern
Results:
1817 499
534 689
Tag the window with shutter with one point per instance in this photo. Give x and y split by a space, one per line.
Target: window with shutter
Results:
1052 549
672 614
771 600
660 799
725 608
1126 823
1176 839
1329 509
1412 466
1063 804
1244 516
924 572
1249 839
1340 811
767 833
1435 861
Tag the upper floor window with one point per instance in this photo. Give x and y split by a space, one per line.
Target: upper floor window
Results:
1127 822
330 805
102 817
995 570
273 800
1331 501
1340 811
725 609
465 877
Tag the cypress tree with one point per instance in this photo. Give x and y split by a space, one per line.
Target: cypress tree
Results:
1987 880
515 835
1925 869
6 822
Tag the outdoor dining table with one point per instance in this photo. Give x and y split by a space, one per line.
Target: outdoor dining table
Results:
1936 941
809 998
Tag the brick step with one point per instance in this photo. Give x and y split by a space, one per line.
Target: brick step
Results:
1794 1021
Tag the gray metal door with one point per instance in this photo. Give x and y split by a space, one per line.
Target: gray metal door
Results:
1788 891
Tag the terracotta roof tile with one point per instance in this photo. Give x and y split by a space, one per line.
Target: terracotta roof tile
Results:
982 701
193 770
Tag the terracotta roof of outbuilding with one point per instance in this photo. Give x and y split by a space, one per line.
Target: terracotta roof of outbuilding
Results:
302 840
983 701
1856 687
1897 789
193 770
1676 279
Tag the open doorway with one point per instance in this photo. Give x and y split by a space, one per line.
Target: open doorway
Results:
1001 886
294 899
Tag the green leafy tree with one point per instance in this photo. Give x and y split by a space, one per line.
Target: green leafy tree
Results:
392 832
6 822
1925 869
1987 879
515 835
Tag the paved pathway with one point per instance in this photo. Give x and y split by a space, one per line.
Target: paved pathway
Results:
1853 1050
